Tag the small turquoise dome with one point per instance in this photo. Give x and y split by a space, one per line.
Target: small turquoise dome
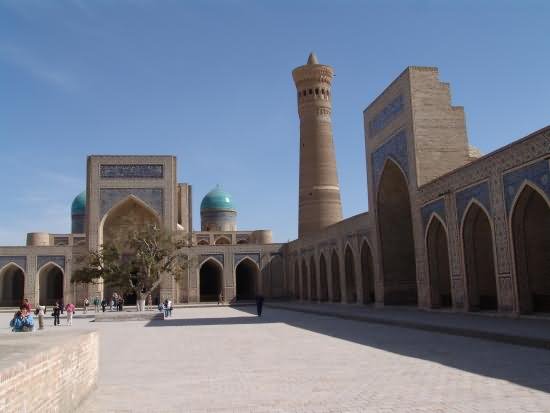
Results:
78 207
217 198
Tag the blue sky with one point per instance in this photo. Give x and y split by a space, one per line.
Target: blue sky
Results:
210 82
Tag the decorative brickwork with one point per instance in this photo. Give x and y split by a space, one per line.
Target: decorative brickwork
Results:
387 115
479 192
253 256
537 174
438 207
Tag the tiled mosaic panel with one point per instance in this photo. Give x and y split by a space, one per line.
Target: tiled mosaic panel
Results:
386 115
21 261
537 173
253 256
44 259
438 207
110 196
131 171
480 192
396 148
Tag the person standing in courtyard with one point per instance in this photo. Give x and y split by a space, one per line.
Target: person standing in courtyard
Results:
70 311
103 304
86 304
220 298
56 311
259 304
149 302
96 304
26 304
22 321
40 311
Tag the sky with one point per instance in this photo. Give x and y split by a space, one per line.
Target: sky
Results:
210 82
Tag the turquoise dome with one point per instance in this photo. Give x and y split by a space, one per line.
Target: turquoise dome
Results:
217 198
78 207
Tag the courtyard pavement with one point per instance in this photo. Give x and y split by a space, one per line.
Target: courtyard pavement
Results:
221 359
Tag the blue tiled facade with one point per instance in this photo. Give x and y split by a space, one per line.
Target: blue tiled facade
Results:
437 206
395 148
219 257
19 260
41 260
151 196
538 174
131 171
253 256
387 115
479 192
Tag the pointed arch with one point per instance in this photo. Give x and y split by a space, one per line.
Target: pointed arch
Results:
50 283
203 242
335 277
210 279
437 249
393 208
246 279
12 285
128 213
313 280
367 272
305 277
530 229
323 281
222 241
349 264
478 248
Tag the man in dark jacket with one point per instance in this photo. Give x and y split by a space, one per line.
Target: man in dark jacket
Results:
259 304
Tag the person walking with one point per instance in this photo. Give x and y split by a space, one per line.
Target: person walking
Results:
259 304
86 304
165 308
41 311
70 311
61 306
56 311
149 302
96 304
103 304
220 298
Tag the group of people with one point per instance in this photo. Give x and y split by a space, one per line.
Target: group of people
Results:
166 307
23 319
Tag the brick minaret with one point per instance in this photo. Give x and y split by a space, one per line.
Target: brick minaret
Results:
319 198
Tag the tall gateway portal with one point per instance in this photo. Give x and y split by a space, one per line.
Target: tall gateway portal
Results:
319 197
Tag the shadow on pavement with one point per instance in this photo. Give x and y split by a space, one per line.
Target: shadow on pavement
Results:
524 366
208 321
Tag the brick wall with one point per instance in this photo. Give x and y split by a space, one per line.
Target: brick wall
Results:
47 371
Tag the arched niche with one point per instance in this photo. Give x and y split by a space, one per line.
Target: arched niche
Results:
367 273
530 222
313 280
335 277
438 263
210 280
396 237
349 264
323 280
246 278
12 285
50 284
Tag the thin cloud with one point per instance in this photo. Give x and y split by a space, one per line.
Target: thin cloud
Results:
38 69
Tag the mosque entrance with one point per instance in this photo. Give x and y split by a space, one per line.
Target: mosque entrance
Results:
12 286
50 282
211 281
367 273
246 275
479 259
396 236
438 265
531 234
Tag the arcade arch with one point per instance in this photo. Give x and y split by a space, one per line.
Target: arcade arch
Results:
323 282
50 284
438 263
530 221
210 280
335 277
246 277
351 292
367 273
12 285
313 280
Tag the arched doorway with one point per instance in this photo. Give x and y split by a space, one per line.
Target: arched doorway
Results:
305 290
531 235
222 241
296 281
351 292
128 215
479 259
211 280
438 264
335 278
50 284
367 273
246 275
396 237
12 286
313 278
323 282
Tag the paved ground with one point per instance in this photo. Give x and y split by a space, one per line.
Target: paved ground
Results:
227 360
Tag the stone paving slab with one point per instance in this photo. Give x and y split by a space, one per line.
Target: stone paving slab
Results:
526 331
222 359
